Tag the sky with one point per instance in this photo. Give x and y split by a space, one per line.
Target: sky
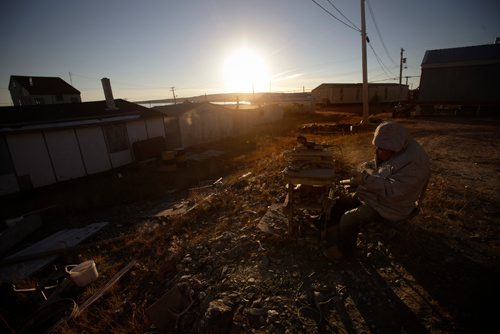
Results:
219 46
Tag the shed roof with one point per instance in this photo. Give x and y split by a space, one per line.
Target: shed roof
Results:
181 108
463 56
333 85
44 85
51 113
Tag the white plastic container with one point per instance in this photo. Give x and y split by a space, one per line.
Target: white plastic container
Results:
84 273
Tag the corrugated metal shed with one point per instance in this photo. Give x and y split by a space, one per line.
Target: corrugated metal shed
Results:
468 76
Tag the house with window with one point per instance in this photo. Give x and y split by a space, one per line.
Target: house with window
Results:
46 144
30 90
352 93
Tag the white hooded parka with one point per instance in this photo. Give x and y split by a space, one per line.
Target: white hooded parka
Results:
395 186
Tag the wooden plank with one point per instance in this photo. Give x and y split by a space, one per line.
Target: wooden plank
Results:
18 230
315 176
58 240
105 288
308 153
22 258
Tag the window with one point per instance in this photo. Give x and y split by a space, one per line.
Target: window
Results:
116 136
59 98
38 100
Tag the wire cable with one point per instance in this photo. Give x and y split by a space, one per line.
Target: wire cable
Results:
336 18
345 17
379 34
381 63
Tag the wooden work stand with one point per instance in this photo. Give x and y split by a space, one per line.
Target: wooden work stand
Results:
317 174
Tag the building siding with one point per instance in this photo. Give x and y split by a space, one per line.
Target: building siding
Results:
65 154
460 85
352 93
31 158
93 149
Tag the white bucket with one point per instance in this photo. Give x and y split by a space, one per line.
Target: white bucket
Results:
84 273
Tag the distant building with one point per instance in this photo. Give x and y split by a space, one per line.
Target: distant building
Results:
29 90
352 93
45 144
460 78
192 124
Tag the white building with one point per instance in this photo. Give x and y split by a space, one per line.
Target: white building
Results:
46 144
201 123
347 93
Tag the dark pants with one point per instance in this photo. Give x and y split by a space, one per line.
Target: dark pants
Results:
348 215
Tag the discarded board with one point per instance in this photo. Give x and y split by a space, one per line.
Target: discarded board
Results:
198 157
18 229
58 240
274 219
171 306
105 288
181 209
174 210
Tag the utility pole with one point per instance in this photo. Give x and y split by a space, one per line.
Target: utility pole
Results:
366 111
401 61
173 93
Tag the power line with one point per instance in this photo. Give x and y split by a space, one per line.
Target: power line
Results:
336 18
345 17
388 79
379 34
381 63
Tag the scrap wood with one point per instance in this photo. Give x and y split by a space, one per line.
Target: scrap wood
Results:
17 230
66 237
33 256
216 183
172 305
105 288
197 204
180 209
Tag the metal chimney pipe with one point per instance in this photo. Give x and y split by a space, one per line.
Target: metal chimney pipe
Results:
108 94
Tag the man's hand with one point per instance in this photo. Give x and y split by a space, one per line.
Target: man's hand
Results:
358 178
368 167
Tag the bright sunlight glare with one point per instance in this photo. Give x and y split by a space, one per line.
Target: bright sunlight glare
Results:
245 71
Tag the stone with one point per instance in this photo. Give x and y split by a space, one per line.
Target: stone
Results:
256 316
218 317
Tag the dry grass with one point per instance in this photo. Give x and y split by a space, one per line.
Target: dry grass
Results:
218 246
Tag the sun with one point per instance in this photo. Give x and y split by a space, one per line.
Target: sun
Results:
245 71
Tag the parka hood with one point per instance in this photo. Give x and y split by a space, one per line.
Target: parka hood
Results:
391 136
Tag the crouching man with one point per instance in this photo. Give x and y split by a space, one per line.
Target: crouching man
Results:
388 188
